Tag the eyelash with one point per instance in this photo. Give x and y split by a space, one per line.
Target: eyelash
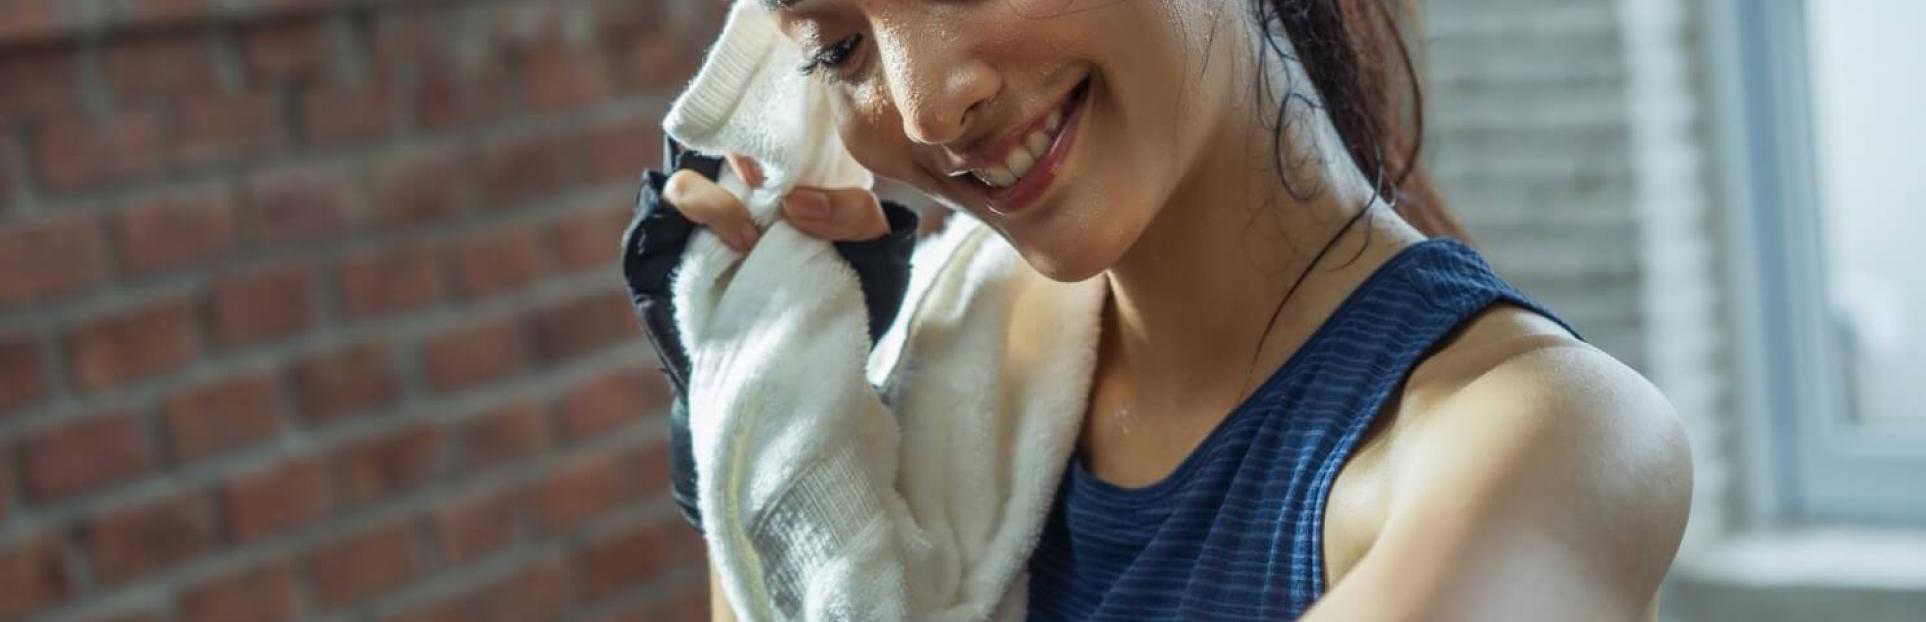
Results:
832 57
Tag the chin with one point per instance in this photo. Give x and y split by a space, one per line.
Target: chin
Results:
1068 254
1065 268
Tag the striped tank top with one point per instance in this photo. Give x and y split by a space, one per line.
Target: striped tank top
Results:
1236 531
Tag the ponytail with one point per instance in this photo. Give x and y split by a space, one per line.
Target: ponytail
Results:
1355 55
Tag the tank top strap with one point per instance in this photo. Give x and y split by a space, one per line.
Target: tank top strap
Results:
1402 311
1384 330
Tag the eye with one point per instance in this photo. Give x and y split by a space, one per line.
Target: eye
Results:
834 56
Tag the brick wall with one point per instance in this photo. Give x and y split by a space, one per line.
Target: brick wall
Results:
309 310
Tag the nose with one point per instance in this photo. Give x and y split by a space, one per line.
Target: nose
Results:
939 89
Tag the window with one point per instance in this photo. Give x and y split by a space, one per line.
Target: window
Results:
1821 120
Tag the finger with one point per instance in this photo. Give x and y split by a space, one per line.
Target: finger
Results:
836 215
747 169
707 204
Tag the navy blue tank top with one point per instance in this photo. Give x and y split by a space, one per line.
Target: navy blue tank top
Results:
1236 531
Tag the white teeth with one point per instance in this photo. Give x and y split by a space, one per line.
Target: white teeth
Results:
1038 144
997 177
1022 158
1019 162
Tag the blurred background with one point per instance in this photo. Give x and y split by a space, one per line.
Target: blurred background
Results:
309 309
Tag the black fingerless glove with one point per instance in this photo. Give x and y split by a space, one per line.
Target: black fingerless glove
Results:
652 248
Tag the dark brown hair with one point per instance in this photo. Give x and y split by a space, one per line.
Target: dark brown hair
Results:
1345 47
1355 55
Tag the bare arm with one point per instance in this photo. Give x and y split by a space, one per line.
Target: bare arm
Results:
1554 486
719 610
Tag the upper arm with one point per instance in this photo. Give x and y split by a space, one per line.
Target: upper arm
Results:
1553 486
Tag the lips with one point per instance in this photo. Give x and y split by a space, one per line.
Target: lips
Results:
1030 164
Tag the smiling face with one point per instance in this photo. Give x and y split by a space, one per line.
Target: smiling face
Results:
1067 125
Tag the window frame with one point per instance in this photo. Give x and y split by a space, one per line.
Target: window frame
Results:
1805 458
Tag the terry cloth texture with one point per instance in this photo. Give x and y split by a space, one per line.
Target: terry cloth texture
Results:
824 497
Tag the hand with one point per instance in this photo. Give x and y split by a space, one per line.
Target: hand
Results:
841 215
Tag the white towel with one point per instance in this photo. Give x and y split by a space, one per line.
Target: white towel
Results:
821 499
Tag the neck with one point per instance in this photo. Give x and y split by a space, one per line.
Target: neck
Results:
1195 303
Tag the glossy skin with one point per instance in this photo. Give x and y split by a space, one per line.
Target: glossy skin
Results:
1520 474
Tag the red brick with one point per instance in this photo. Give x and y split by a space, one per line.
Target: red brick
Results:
333 115
298 204
657 64
75 152
345 382
40 260
134 344
691 604
363 565
473 355
260 306
496 262
539 591
275 498
511 32
577 492
409 32
389 463
591 237
626 561
649 467
619 151
142 67
516 170
33 576
619 24
217 127
264 593
604 403
175 230
23 373
25 22
387 282
223 415
39 81
136 540
514 431
419 188
451 97
560 77
78 457
472 527
295 49
589 323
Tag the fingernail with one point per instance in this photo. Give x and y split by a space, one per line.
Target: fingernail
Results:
809 204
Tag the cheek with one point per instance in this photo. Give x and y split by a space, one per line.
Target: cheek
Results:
872 135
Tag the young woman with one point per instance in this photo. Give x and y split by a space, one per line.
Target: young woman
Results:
1308 400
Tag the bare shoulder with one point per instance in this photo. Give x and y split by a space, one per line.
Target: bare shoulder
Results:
1520 449
1515 391
1514 376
